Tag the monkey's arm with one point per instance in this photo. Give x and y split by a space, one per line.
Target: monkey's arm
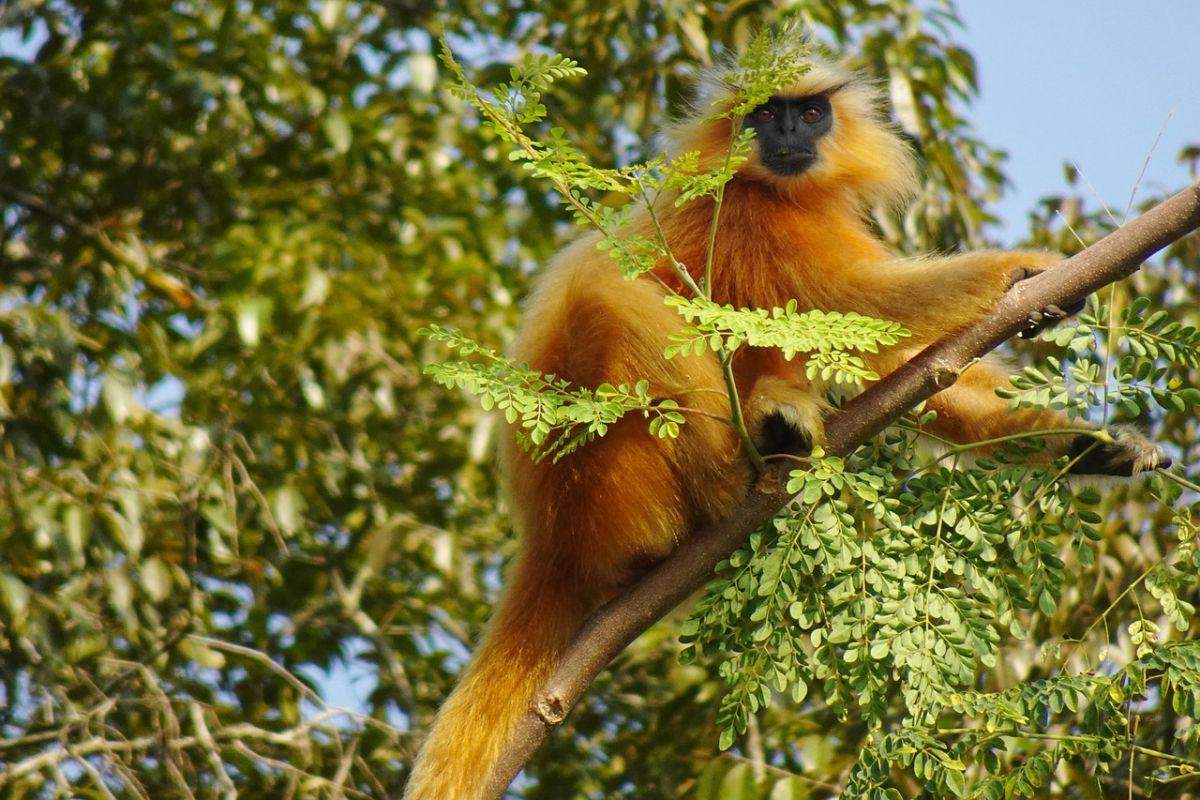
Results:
932 296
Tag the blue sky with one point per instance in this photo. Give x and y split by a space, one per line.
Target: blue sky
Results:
1092 81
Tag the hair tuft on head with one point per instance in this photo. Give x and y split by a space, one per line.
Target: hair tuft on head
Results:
864 159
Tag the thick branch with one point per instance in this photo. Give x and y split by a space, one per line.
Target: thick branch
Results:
615 626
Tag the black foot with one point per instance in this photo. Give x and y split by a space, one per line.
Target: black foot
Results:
1048 317
1125 457
779 435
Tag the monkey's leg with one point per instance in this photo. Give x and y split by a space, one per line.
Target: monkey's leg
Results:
970 411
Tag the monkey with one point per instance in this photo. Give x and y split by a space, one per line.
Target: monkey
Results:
794 226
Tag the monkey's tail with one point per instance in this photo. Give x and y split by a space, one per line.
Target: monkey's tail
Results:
535 621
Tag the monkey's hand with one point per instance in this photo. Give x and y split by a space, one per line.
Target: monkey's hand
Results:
1128 454
1047 317
784 418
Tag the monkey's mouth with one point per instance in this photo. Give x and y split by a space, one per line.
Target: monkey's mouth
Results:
789 162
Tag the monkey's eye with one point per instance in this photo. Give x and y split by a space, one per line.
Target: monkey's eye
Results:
812 114
762 114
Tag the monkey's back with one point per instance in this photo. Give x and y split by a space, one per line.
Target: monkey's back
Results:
619 501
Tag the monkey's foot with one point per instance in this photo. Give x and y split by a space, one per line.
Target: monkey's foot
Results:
1048 317
1028 264
1022 274
1128 454
781 433
783 417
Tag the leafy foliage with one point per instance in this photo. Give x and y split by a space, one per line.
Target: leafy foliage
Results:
1133 373
552 418
776 57
828 335
509 107
905 576
230 504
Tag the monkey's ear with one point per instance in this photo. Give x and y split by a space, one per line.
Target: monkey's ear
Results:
1127 455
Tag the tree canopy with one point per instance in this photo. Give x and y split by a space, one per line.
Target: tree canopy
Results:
223 474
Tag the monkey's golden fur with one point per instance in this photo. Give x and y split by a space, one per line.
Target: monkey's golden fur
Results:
594 520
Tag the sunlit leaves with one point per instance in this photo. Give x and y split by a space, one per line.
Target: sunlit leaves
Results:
828 335
905 579
552 418
509 105
1131 371
775 58
218 228
1153 334
710 183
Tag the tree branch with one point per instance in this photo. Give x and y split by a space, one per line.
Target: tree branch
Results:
617 624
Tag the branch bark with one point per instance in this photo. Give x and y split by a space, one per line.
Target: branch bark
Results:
617 624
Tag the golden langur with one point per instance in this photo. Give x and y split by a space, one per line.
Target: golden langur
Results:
793 226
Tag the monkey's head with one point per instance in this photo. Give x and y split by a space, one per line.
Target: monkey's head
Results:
824 135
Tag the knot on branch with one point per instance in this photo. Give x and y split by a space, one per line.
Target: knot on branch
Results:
550 709
944 374
772 479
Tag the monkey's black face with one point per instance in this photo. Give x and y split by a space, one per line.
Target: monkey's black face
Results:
787 130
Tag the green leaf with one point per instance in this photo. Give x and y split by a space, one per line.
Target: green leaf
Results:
337 129
14 596
288 507
117 393
252 315
155 577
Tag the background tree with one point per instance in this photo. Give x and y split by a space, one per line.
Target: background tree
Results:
221 226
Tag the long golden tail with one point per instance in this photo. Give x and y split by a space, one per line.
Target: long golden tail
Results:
536 619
